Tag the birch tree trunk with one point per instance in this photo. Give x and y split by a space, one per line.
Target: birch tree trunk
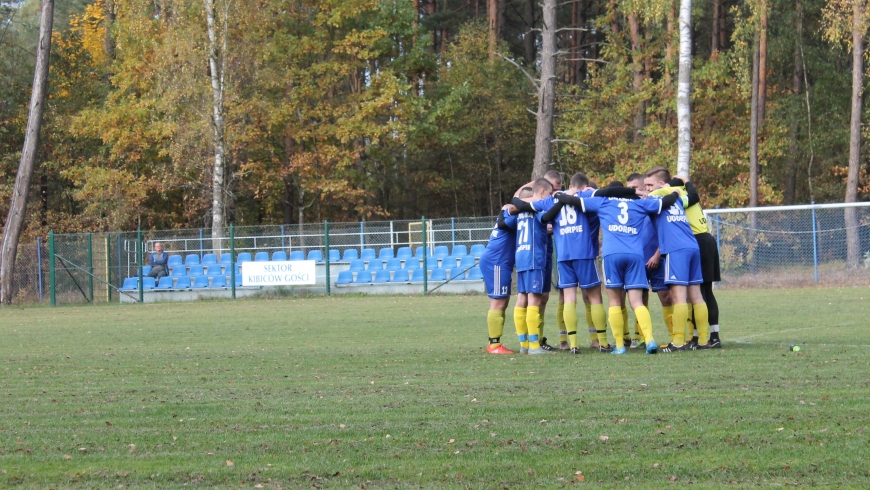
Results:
216 69
753 123
852 241
684 88
762 63
18 205
637 75
546 92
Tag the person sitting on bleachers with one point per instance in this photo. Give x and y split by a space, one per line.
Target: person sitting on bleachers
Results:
159 262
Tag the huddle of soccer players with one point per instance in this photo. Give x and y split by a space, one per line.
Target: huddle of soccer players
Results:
654 235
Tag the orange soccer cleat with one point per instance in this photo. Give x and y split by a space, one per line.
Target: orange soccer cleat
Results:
500 349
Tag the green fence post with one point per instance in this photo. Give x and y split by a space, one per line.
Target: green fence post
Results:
90 268
108 270
233 260
326 236
425 258
140 254
51 284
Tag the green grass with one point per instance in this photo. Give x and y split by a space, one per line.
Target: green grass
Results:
397 392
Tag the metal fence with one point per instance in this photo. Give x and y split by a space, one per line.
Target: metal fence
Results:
785 246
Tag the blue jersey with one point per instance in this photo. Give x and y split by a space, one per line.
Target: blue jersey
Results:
674 230
622 221
531 242
571 231
502 246
650 239
594 223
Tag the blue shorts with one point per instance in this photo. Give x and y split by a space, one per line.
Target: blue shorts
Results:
656 276
497 279
548 275
683 267
580 273
625 271
531 281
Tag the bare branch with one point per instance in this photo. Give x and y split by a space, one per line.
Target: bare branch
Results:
569 141
597 60
572 29
532 112
531 79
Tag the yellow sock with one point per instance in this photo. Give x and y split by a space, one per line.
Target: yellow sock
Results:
522 329
690 324
590 326
599 322
560 322
681 316
533 322
668 314
495 325
617 325
626 337
570 316
637 329
702 322
645 322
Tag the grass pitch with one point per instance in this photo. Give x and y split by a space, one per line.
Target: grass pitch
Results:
397 392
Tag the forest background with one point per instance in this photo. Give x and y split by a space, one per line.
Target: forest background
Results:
352 110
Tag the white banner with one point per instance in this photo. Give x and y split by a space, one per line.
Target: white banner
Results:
278 273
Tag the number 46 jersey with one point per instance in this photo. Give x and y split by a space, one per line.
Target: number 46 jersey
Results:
622 222
575 234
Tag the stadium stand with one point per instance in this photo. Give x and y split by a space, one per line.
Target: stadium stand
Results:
209 259
219 281
376 265
412 264
214 270
334 255
382 275
357 265
401 275
394 264
417 275
148 283
467 261
165 282
178 272
475 274
438 275
363 277
175 260
441 251
226 260
261 257
296 255
244 257
344 277
191 259
282 255
477 250
130 284
183 283
459 251
385 253
368 254
350 254
404 253
200 282
315 255
195 270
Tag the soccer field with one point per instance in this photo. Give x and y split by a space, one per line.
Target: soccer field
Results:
398 392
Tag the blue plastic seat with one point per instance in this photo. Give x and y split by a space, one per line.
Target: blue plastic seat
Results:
368 254
417 275
394 264
441 251
449 262
438 275
459 251
244 257
344 277
281 255
475 274
238 280
431 263
419 252
456 273
376 264
214 270
404 253
165 282
349 255
385 253
261 257
200 282
130 284
209 259
148 283
146 269
401 275
183 283
478 249
357 265
363 277
175 260
219 281
195 270
297 255
334 255
178 272
412 264
315 255
382 276
467 261
191 259
226 259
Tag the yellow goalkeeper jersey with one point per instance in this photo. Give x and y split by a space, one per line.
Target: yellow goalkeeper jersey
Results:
694 213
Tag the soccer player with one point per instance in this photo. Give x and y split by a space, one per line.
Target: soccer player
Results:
555 178
622 222
654 266
531 263
497 265
710 271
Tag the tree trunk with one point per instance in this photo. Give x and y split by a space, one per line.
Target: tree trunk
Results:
637 75
717 12
790 190
216 67
492 12
684 88
852 239
529 36
614 17
546 92
762 63
723 26
753 123
669 45
109 41
576 23
18 204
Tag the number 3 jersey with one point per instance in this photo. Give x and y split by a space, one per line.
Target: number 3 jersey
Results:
532 241
575 232
622 222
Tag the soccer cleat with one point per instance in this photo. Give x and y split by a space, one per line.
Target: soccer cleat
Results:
605 349
541 350
524 350
594 345
575 350
501 349
690 345
715 344
545 345
673 348
637 344
618 351
652 347
564 346
706 346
